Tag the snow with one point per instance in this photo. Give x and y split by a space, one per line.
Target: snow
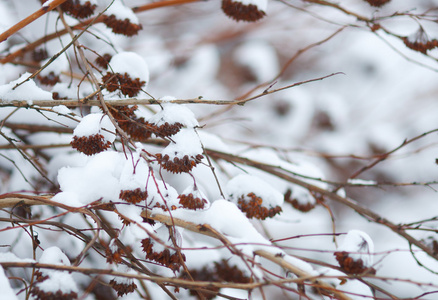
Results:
11 257
54 255
97 179
357 181
28 91
174 113
359 245
96 124
121 12
244 184
58 281
131 63
185 142
7 292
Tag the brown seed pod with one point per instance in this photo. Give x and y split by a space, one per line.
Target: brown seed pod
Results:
172 261
78 9
122 288
377 3
299 205
238 11
50 79
103 60
351 266
124 27
191 202
124 83
133 196
90 145
178 165
43 295
252 206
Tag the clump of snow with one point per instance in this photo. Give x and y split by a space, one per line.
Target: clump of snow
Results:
357 181
122 12
97 179
28 91
261 4
11 257
58 281
244 184
186 142
54 256
7 291
359 245
260 58
96 124
174 113
131 63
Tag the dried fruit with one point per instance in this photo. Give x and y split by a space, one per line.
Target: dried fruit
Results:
250 11
252 206
124 83
133 196
377 3
125 27
178 165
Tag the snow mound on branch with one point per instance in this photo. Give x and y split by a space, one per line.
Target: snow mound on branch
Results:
245 184
96 124
131 63
174 113
7 292
359 245
28 91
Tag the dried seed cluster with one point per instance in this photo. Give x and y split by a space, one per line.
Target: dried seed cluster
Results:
304 207
115 257
137 128
377 3
78 10
164 207
221 272
178 165
50 79
133 196
122 288
190 202
238 11
172 261
40 294
352 266
90 145
103 60
127 86
420 45
166 129
254 209
124 27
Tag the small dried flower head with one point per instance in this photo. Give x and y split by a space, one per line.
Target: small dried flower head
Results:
245 10
129 74
79 8
93 134
121 19
252 206
103 60
133 196
50 79
377 3
166 257
124 83
301 199
123 285
178 165
254 196
355 253
193 198
54 284
172 118
419 41
40 54
137 128
114 253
